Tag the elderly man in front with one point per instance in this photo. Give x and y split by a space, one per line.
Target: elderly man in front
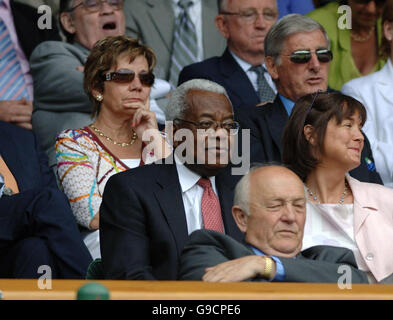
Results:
270 209
148 213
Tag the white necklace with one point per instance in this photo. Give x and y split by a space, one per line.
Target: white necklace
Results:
315 198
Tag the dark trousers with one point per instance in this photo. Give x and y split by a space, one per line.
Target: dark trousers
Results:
37 228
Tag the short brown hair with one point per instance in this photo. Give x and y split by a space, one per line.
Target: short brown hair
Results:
104 56
297 153
387 15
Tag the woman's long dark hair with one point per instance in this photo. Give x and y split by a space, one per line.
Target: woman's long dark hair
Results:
298 153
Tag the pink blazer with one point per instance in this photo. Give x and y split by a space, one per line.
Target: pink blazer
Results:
373 224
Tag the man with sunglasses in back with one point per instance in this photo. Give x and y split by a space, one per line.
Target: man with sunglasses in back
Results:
147 213
240 69
297 57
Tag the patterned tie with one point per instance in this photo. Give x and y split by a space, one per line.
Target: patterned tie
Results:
12 82
185 44
265 92
211 210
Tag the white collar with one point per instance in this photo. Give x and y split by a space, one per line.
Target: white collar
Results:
188 178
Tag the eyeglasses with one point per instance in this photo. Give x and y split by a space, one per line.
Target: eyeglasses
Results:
312 103
378 3
96 5
232 127
251 15
304 56
127 76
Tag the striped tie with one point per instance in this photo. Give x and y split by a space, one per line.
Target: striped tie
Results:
265 92
185 44
12 82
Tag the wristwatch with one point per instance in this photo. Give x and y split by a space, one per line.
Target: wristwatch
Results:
267 272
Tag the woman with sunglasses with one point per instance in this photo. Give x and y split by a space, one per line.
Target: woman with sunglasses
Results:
117 78
355 47
375 91
321 143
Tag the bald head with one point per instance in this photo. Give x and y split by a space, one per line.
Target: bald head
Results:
274 216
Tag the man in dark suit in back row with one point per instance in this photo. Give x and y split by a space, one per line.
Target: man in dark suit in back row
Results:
240 70
147 213
297 57
37 227
270 208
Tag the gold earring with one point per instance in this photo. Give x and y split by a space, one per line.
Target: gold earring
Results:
99 97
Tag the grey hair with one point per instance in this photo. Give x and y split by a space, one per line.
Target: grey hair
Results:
177 104
285 27
65 6
242 190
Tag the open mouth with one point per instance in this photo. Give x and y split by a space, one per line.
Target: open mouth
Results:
109 26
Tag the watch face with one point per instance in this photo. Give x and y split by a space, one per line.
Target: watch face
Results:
7 191
1 184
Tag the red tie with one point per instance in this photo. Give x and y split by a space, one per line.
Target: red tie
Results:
211 210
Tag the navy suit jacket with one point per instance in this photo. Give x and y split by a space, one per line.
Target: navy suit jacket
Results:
266 124
40 209
225 71
143 225
29 166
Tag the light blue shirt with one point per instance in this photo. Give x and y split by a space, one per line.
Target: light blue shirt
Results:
1 185
280 271
288 104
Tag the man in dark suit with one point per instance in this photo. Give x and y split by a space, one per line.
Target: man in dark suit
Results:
270 208
244 23
297 58
147 213
22 25
37 226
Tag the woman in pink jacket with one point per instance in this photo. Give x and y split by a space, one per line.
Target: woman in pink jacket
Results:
321 143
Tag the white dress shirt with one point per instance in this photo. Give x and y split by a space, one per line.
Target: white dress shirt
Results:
195 13
253 75
192 195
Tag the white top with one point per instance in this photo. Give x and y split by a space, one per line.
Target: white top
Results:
332 225
192 195
375 92
195 13
131 163
253 75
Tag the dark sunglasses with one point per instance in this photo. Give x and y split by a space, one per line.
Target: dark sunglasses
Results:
378 3
127 76
304 56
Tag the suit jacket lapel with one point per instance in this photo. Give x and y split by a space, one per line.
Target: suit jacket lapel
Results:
162 17
170 199
383 84
361 209
225 184
276 119
12 159
237 81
